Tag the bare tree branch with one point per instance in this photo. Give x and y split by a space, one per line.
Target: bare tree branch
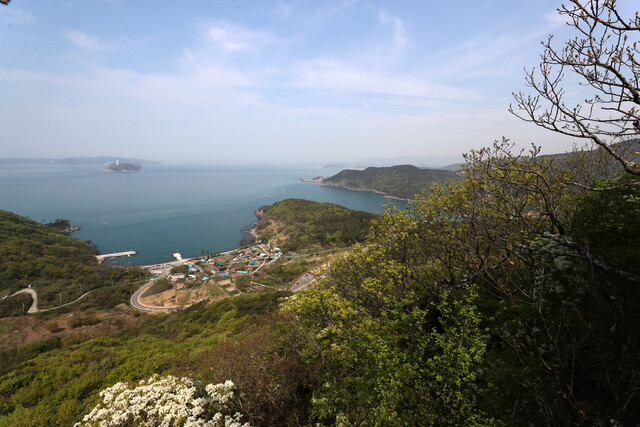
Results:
604 56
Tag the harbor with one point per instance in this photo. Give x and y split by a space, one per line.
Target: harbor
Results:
101 258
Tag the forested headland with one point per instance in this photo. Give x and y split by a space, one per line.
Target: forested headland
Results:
402 181
303 223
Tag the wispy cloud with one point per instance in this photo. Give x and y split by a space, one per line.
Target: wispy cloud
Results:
399 33
334 75
235 38
86 41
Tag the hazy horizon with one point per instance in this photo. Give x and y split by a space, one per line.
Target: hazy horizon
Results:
273 82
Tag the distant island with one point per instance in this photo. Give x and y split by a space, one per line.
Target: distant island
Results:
122 167
399 182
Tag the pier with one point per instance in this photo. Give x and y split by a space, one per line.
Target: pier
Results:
101 258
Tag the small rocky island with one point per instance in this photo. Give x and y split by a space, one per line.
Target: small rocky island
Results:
122 167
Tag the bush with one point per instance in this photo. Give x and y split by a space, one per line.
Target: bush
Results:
79 321
158 287
180 269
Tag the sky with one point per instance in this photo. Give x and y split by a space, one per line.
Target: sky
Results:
274 82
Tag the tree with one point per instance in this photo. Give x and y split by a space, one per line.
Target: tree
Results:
604 56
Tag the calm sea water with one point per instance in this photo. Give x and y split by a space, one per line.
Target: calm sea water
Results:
164 209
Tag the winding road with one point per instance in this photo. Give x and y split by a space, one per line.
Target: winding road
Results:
135 299
34 304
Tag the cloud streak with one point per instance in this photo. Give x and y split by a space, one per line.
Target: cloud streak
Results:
334 75
399 33
86 41
236 38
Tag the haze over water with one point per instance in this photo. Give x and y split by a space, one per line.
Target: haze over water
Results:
164 209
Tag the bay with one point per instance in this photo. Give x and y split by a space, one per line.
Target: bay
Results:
164 209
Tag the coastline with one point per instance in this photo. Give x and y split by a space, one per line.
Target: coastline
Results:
383 194
250 229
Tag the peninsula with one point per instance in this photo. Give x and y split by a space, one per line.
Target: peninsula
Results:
399 182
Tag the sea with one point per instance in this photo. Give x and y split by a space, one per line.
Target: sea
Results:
165 208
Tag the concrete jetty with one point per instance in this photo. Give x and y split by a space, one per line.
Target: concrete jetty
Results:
101 258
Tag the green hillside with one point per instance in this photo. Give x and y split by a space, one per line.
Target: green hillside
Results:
61 267
403 181
53 382
306 223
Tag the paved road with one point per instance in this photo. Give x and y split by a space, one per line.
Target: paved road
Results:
68 303
135 299
303 281
34 295
34 305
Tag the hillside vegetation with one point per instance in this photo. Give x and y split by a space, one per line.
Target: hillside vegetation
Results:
305 223
403 181
54 382
32 253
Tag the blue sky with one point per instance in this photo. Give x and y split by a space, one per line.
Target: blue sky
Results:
267 81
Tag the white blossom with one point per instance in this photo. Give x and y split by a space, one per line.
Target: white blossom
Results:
166 402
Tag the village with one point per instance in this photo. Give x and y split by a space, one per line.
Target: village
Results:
184 282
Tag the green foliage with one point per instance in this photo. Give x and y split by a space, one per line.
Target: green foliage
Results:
158 287
392 342
54 382
283 273
102 298
32 253
608 221
241 282
548 273
60 224
15 306
404 181
308 223
560 317
179 269
83 320
273 382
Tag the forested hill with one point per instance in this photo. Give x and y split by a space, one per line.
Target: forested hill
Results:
403 181
62 267
305 223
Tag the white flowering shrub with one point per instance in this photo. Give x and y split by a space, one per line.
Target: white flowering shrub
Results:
166 401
